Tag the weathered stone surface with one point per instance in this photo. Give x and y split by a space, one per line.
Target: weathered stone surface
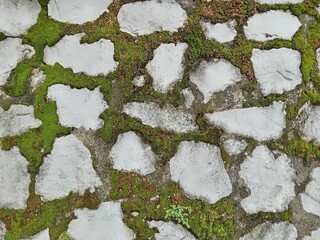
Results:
103 223
166 67
188 96
3 231
68 168
140 18
43 235
315 235
278 1
139 81
37 78
221 32
260 123
166 118
310 124
270 178
78 107
92 59
234 147
195 167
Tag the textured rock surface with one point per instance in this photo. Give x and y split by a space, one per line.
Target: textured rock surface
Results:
170 231
166 67
310 126
195 167
37 78
315 235
78 107
43 235
188 96
167 118
278 1
260 123
140 18
139 81
68 168
103 223
92 59
221 32
234 147
3 231
15 180
311 197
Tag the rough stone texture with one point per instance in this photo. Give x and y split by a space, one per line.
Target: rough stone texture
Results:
43 235
36 79
273 231
140 18
68 168
166 67
315 235
139 81
3 231
318 53
271 25
170 231
92 59
310 126
221 32
278 1
311 197
17 16
77 11
78 107
103 223
188 96
234 147
260 123
166 118
12 52
18 119
214 76
131 154
195 167
14 179
274 72
270 178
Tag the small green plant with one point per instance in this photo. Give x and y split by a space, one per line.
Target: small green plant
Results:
179 214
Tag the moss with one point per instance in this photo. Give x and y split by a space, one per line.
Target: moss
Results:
303 149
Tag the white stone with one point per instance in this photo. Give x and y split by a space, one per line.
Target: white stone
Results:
92 59
68 168
310 127
77 11
43 235
146 17
166 118
3 231
18 119
270 178
131 154
17 16
318 8
315 235
214 76
139 81
14 179
221 32
12 52
318 51
78 107
103 223
166 67
37 78
234 147
188 96
199 169
274 72
170 231
259 123
271 25
273 231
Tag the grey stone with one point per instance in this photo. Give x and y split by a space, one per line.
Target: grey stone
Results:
315 235
43 235
221 32
37 78
3 231
234 147
188 96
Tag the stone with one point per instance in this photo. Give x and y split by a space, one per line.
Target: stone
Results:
214 76
131 154
3 231
146 17
68 168
318 51
17 16
315 235
166 68
310 126
234 147
259 123
102 223
91 59
274 24
37 78
43 235
270 178
78 107
188 97
167 118
139 81
279 1
195 167
15 179
221 32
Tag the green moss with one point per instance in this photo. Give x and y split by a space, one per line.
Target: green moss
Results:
303 149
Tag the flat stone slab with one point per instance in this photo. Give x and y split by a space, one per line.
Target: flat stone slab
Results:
310 126
17 16
315 235
78 107
91 59
221 32
17 120
234 147
15 179
131 154
188 97
166 67
270 178
270 231
68 168
3 231
77 11
259 123
43 235
195 167
271 25
103 223
166 118
146 17
170 231
214 76
273 71
278 1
